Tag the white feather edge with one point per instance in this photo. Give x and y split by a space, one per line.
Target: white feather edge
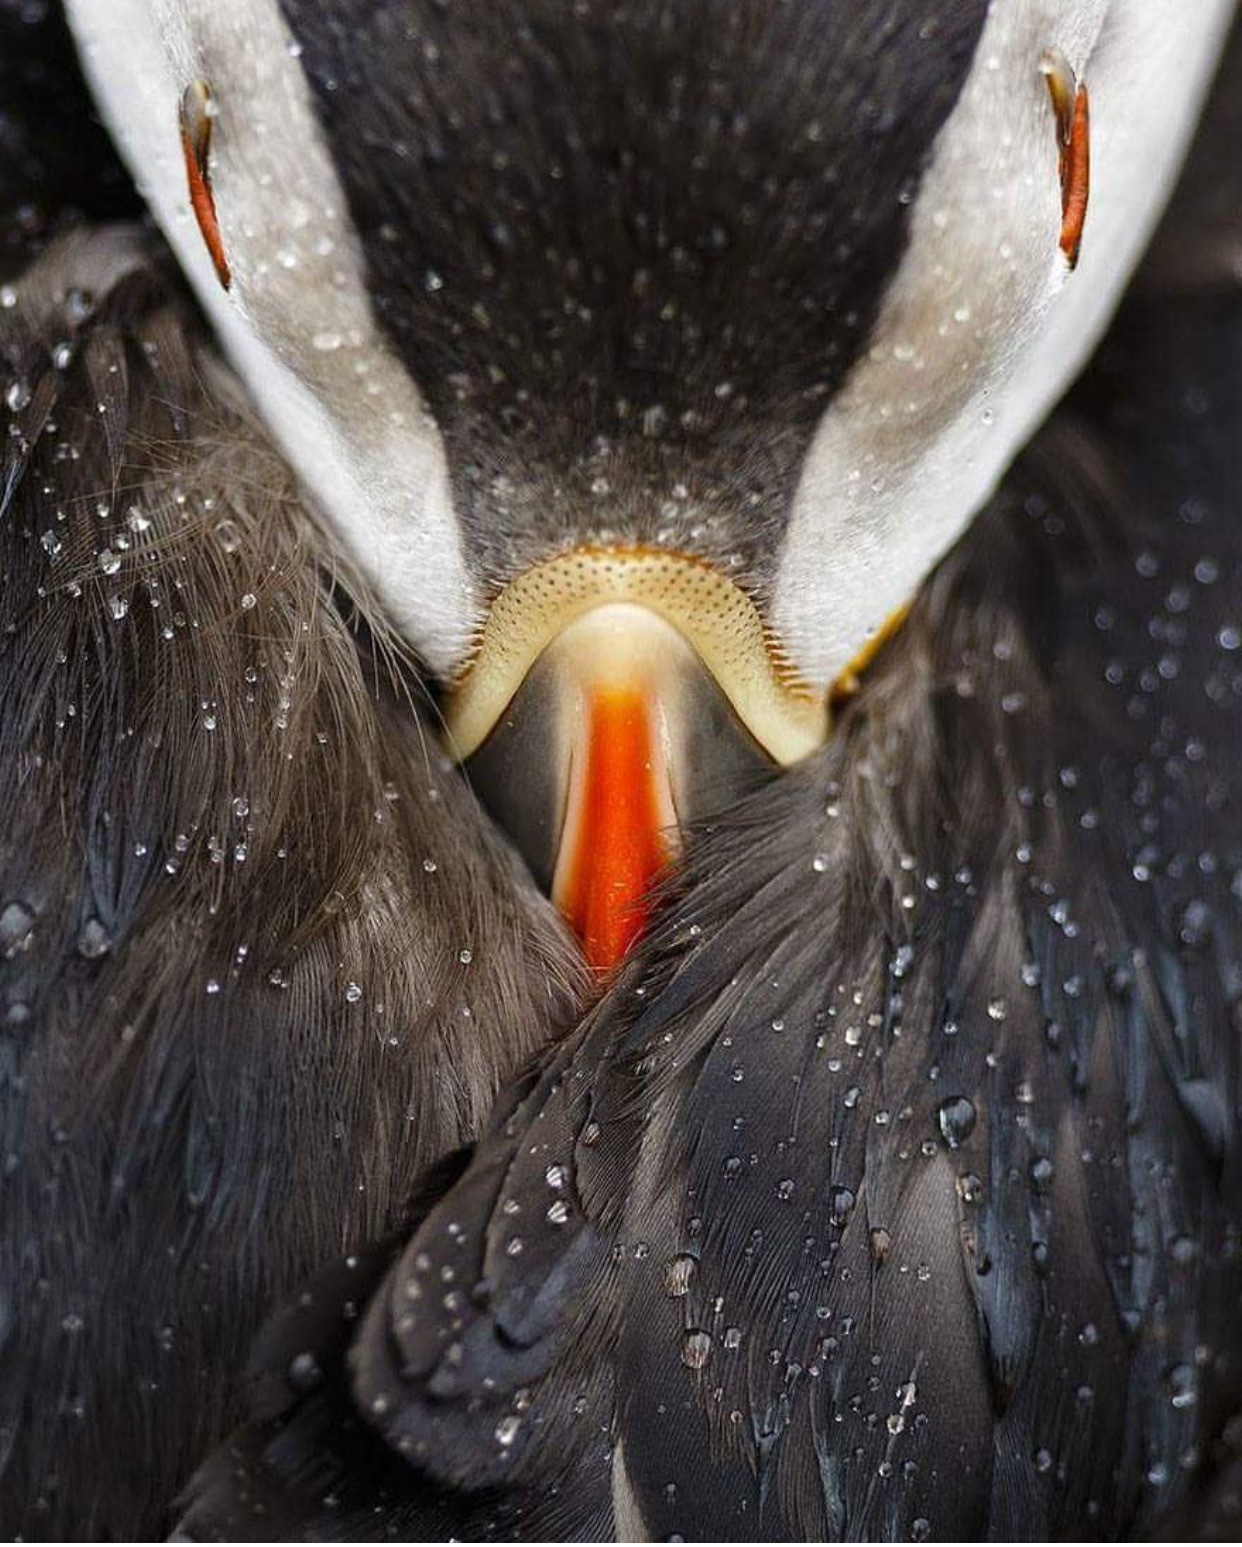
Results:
983 328
342 407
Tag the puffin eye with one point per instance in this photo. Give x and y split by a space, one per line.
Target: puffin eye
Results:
198 111
1073 123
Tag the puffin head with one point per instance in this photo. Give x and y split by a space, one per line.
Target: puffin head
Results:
645 356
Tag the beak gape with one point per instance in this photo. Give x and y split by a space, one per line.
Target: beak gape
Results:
616 698
622 679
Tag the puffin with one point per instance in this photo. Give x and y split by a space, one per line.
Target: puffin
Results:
592 430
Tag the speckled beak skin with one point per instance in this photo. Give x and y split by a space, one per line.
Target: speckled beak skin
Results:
615 697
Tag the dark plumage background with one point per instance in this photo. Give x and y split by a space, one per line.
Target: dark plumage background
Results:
57 165
244 995
893 1190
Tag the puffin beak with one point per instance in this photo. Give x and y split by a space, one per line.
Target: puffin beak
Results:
614 698
622 685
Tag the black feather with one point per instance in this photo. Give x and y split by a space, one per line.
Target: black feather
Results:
264 959
901 1164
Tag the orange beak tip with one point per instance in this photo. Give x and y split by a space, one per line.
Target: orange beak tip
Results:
614 845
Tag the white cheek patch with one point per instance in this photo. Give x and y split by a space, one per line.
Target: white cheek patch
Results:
297 321
984 326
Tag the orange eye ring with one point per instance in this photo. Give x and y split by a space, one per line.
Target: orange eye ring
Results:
1071 105
197 115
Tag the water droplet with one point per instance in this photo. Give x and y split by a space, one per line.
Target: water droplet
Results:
1194 928
228 535
108 561
304 1372
696 1348
353 993
51 543
16 928
679 1274
93 940
956 1116
1183 1386
79 306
